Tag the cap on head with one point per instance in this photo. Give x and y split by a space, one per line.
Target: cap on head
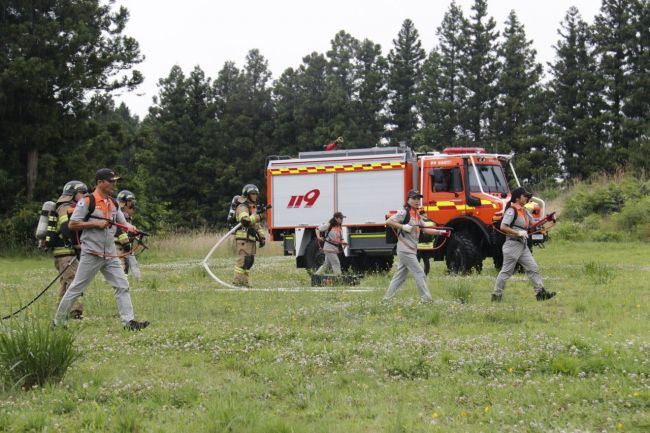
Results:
105 174
414 193
518 192
339 215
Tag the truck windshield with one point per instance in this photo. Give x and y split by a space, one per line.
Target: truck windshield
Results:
492 179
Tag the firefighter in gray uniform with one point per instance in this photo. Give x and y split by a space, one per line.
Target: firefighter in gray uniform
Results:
98 250
408 233
333 244
515 224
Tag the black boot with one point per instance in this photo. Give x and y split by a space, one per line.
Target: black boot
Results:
543 295
496 298
134 325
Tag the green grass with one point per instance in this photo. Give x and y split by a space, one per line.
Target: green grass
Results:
226 361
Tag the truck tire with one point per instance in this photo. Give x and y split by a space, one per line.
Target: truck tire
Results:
314 256
497 240
462 254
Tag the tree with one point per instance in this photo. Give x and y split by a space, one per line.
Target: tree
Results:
369 93
52 54
405 63
443 97
614 40
177 127
637 104
479 75
521 110
576 117
341 81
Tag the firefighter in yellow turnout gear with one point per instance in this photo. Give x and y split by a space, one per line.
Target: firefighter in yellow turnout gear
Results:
248 235
124 240
64 241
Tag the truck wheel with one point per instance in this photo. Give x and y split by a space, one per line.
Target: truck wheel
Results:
314 256
462 254
497 249
384 264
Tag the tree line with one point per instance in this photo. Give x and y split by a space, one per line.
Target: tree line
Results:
204 137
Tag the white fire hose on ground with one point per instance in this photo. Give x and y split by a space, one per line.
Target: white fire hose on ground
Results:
214 248
247 289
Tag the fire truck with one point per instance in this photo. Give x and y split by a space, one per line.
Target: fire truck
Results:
463 188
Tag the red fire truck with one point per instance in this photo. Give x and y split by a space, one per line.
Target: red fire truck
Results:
463 188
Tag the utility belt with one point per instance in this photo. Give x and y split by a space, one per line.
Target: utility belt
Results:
64 252
246 235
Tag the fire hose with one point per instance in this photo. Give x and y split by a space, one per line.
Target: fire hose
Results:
24 307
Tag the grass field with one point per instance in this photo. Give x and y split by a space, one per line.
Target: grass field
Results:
268 361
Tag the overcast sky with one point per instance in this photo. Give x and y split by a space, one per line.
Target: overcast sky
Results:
208 32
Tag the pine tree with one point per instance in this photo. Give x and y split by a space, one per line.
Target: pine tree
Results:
405 63
479 75
432 106
312 113
369 98
521 111
614 38
177 127
577 105
341 81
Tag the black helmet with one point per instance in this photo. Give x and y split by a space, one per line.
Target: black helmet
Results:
250 189
125 195
73 187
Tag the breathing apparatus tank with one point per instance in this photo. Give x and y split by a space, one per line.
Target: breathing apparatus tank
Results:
47 209
232 218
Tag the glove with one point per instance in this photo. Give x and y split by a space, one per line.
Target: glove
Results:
407 228
262 242
523 234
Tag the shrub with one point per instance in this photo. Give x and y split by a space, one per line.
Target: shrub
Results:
17 230
33 354
568 231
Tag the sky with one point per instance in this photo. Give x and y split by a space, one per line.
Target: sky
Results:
209 33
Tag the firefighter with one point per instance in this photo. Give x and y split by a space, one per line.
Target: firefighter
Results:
515 224
407 222
333 243
249 233
65 245
123 241
93 214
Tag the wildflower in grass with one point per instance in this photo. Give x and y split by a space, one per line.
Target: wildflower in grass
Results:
435 415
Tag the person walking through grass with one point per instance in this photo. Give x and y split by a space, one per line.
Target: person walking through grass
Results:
407 224
93 214
333 243
515 224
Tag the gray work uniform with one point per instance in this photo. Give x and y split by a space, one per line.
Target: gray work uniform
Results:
515 250
407 247
98 254
333 239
